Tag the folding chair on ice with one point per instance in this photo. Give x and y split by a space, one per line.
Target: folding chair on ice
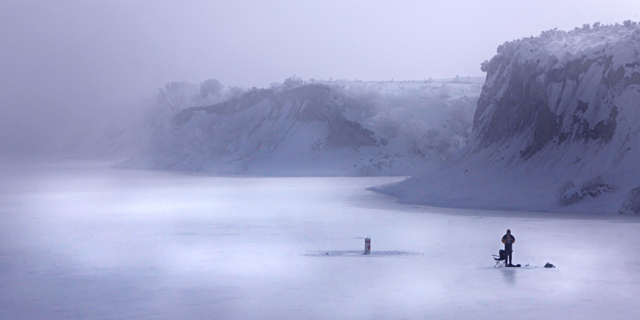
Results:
500 258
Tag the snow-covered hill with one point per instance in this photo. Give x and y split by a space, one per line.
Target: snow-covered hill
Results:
319 128
556 128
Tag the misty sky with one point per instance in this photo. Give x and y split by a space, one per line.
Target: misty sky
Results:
63 60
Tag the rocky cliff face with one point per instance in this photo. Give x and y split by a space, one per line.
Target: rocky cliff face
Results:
343 128
560 113
560 88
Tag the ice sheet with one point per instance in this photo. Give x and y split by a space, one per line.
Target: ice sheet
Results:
83 241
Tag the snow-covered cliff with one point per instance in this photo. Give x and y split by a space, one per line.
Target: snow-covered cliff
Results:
326 128
556 128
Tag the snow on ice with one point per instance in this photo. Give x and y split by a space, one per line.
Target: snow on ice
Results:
82 240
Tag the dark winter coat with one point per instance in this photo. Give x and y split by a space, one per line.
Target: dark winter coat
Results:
508 241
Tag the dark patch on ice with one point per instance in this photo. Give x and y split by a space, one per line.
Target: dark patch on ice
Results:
360 253
523 267
570 194
631 204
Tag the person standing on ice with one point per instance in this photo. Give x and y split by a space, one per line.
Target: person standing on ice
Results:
508 241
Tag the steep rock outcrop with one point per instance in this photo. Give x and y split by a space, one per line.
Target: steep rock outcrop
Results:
555 129
560 87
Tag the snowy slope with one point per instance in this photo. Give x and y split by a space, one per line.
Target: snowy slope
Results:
321 128
556 128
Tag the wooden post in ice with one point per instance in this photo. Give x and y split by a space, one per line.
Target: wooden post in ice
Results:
367 245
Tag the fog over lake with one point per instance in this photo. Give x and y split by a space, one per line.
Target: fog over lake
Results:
82 240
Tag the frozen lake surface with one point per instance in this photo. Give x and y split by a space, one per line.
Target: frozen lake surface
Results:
80 240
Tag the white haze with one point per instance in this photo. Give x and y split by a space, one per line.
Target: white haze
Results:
64 62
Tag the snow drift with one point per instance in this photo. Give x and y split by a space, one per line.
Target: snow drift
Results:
319 128
555 129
